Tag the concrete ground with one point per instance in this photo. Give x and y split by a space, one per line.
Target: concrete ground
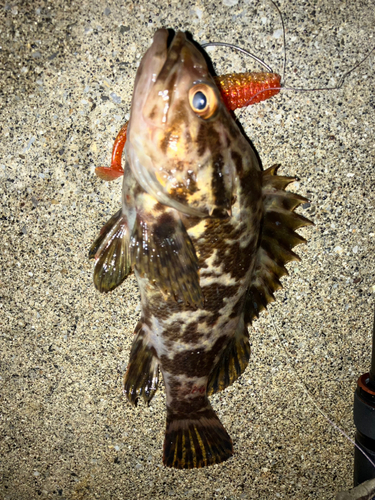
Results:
66 76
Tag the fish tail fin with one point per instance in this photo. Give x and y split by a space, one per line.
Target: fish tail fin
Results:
195 440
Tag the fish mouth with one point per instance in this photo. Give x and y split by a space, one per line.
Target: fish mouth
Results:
171 51
160 70
154 63
169 68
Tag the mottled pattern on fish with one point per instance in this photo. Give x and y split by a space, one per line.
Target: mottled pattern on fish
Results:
207 234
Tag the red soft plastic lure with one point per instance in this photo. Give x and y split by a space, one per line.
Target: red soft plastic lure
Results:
237 90
115 170
244 89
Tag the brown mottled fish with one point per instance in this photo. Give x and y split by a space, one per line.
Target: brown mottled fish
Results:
207 233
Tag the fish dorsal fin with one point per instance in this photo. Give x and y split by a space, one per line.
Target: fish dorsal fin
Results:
277 239
233 361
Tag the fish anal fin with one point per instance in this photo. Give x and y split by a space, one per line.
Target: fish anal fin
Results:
232 362
195 440
142 375
162 251
277 240
111 253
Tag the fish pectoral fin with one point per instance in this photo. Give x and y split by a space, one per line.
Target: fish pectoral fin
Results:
276 242
162 251
111 253
232 362
195 440
142 376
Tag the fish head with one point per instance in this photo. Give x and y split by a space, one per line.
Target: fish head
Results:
180 131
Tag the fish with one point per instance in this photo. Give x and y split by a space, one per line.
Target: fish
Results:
237 90
207 233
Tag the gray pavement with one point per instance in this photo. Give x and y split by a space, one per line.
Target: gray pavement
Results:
66 77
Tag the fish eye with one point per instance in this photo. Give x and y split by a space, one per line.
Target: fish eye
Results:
199 101
203 100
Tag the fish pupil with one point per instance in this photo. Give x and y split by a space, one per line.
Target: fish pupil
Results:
199 101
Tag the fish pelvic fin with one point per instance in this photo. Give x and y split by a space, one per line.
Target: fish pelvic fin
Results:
195 440
162 251
142 376
278 237
111 253
232 362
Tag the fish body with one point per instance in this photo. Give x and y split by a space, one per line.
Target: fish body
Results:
207 233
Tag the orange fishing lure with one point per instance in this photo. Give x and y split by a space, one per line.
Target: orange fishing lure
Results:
243 89
115 170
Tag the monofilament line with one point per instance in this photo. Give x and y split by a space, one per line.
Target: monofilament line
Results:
307 392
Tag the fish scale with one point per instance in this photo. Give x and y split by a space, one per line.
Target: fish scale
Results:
207 234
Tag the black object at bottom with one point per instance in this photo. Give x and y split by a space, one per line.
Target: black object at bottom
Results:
363 469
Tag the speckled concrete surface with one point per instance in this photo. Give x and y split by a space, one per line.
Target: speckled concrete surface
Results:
66 79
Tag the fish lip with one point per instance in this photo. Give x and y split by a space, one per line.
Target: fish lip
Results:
156 58
172 48
159 51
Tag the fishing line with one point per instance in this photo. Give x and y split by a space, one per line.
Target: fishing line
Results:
341 81
269 69
240 49
284 38
317 89
299 379
307 392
